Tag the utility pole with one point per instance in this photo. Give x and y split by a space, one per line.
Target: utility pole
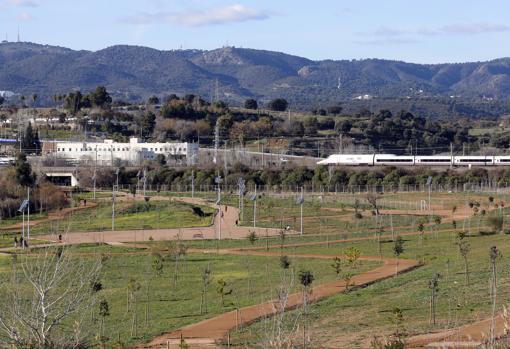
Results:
144 181
242 187
216 142
94 180
138 174
113 207
262 155
95 173
300 201
22 209
225 163
255 208
218 202
28 214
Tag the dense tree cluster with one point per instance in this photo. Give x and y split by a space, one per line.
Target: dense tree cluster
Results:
278 104
74 101
403 132
191 118
295 177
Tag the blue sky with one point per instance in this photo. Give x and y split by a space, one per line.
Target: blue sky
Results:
427 31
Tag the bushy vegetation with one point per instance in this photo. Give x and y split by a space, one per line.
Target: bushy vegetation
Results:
291 176
15 182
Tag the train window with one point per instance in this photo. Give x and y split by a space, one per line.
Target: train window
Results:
435 160
394 160
472 160
504 160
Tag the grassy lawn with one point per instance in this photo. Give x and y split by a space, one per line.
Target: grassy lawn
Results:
351 320
130 215
19 219
252 280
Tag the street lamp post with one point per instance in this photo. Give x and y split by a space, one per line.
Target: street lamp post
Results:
241 187
113 206
144 181
300 201
218 181
22 209
28 214
254 199
94 180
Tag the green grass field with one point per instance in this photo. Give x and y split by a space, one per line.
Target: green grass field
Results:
345 320
130 216
252 280
367 311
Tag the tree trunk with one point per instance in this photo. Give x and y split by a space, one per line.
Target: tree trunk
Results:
466 271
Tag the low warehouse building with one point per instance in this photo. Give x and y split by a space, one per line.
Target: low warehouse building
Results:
110 152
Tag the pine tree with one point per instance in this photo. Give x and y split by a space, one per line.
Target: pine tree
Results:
24 175
30 142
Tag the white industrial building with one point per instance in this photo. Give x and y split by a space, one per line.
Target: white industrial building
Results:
110 152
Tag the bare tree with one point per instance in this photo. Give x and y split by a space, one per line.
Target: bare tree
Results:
46 291
134 287
398 249
306 279
464 249
372 199
493 254
283 330
206 280
434 289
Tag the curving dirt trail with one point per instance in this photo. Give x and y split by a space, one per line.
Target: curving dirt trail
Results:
208 332
52 216
224 227
217 328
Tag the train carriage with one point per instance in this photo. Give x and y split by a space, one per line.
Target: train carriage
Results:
433 160
409 160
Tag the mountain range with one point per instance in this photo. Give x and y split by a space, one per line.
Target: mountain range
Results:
233 74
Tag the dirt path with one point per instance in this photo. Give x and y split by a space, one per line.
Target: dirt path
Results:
472 334
224 227
52 216
215 329
205 334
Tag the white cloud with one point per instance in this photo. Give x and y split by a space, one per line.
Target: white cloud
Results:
387 41
451 29
389 32
475 28
25 17
23 3
216 16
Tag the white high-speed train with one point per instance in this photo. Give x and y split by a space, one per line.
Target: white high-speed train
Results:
411 160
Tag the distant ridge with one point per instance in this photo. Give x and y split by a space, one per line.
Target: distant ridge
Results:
134 72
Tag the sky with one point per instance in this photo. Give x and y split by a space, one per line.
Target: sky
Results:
426 31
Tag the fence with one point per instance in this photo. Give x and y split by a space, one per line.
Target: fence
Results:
484 187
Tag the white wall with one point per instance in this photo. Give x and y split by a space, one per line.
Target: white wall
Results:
132 152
